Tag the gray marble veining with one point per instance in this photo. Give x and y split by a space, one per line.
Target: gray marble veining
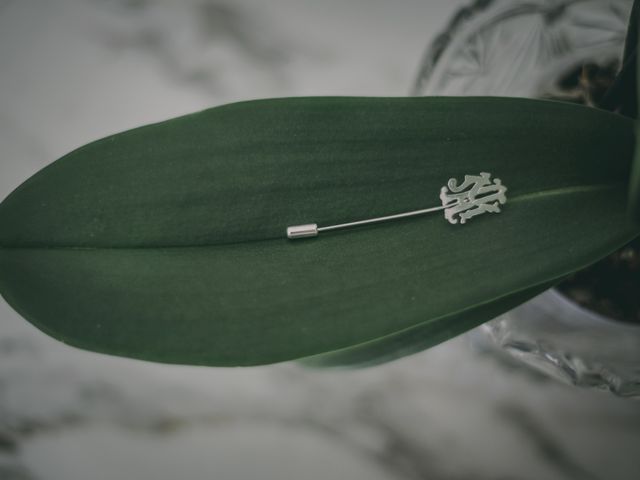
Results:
76 70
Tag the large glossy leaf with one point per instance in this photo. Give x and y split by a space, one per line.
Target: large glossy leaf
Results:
167 242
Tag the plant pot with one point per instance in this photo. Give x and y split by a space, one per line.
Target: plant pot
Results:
560 49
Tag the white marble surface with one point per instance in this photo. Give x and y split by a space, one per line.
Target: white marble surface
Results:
72 71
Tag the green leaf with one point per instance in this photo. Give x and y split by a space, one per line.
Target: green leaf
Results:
622 95
420 337
168 243
631 39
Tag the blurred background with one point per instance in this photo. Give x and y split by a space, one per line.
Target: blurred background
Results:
72 71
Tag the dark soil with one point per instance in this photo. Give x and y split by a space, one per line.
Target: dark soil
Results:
610 287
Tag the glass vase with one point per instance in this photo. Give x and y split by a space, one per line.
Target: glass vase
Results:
560 49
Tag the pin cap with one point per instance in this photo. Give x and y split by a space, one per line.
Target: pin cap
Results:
302 231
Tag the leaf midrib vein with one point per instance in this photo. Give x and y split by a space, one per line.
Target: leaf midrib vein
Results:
579 189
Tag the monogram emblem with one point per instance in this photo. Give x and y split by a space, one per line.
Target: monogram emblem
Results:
476 195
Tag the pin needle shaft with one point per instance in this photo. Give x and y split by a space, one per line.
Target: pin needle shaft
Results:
312 229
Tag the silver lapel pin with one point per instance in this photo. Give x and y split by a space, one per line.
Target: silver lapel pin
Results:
476 195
